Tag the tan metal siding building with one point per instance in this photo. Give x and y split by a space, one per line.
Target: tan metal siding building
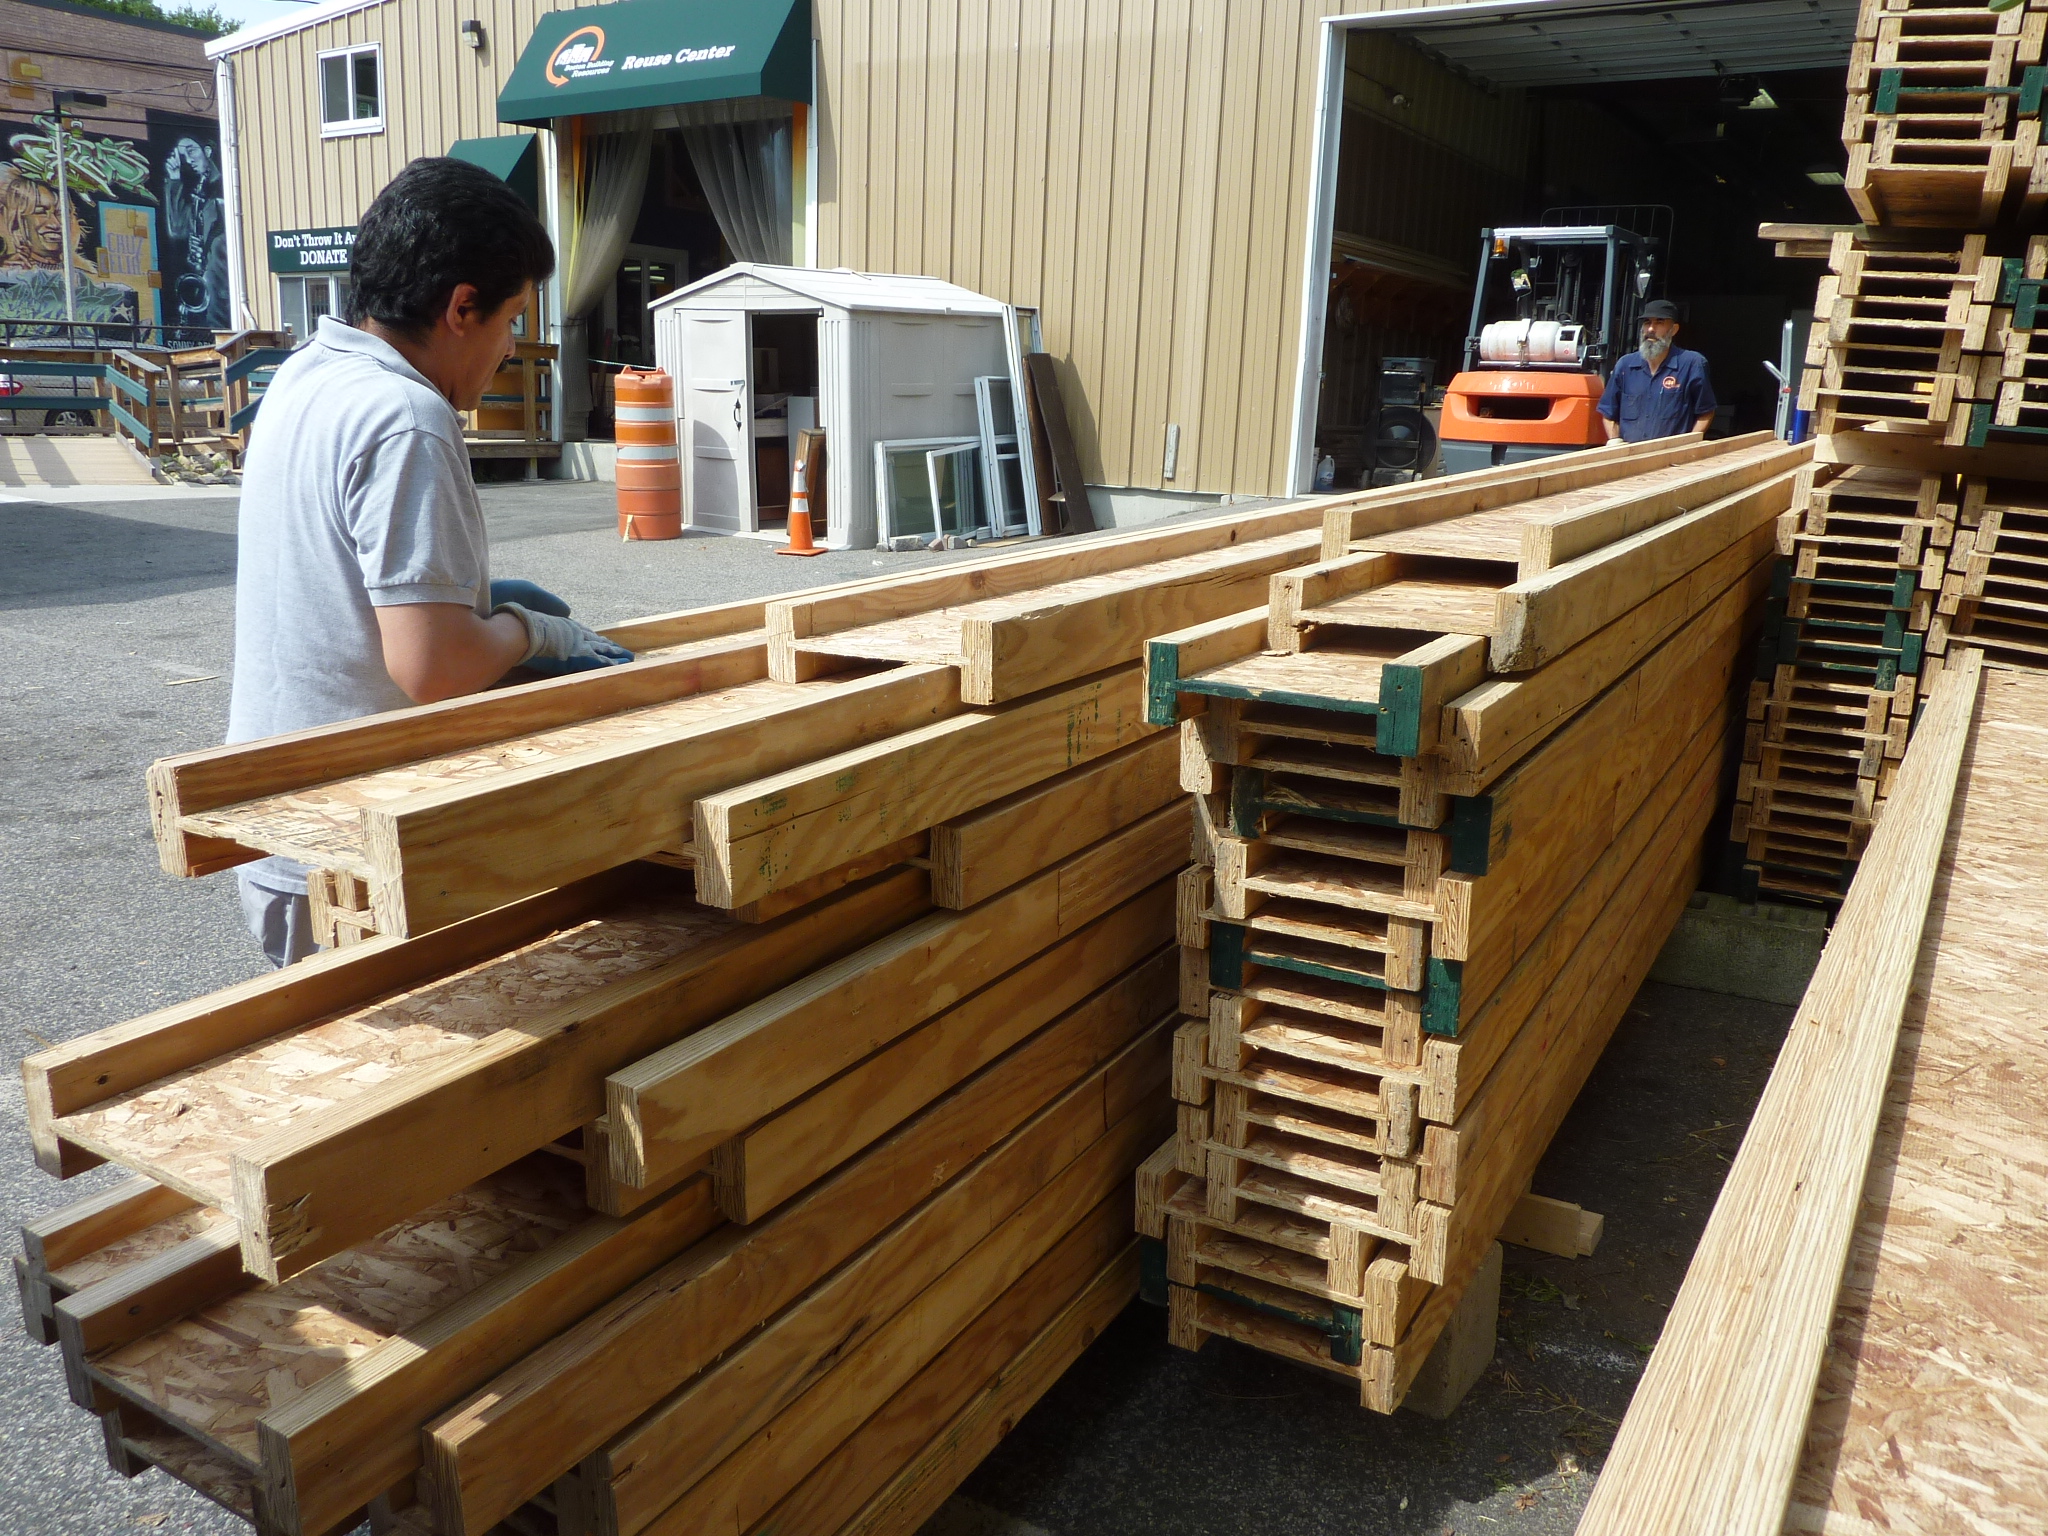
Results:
1142 171
436 90
1139 171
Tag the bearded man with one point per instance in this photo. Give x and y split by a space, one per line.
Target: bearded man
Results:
1660 389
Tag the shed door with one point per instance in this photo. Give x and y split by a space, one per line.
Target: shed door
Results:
717 404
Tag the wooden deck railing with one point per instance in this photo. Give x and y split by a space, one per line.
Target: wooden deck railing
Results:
208 397
517 417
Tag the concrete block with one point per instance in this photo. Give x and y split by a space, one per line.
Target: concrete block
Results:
1742 950
584 461
1464 1349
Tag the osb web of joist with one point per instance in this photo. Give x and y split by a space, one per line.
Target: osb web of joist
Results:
1450 605
220 1370
934 635
158 1237
186 1128
1932 1411
323 826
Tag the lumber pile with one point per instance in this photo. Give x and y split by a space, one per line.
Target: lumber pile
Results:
1908 335
2020 404
1452 787
367 1290
1922 377
1943 125
720 1104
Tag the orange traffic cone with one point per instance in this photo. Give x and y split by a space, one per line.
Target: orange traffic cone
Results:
800 542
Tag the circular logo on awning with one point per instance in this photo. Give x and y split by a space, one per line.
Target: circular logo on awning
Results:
579 56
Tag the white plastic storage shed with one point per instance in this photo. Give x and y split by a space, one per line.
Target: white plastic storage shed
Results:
759 352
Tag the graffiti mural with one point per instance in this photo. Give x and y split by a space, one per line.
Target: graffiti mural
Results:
185 153
139 215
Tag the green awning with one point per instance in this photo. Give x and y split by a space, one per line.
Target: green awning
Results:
659 53
509 157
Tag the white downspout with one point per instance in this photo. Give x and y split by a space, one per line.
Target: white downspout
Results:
814 124
1322 214
231 187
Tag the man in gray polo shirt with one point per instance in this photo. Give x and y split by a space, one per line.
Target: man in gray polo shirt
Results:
363 569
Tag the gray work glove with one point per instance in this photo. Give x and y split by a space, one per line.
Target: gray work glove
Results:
557 646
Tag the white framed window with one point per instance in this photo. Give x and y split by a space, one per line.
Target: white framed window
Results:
351 84
301 302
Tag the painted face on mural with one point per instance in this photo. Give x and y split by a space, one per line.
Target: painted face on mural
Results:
31 222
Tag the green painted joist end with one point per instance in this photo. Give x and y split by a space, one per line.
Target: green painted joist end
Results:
1400 727
1442 997
1471 848
1152 1271
1162 682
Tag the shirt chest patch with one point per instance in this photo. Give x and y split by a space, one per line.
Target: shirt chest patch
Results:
1671 381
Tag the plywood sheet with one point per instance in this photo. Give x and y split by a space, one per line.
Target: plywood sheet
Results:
217 1372
1932 1411
184 1129
322 826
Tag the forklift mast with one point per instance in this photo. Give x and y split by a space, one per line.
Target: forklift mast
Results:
1561 296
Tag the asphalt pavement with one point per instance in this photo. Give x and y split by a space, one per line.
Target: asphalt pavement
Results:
116 628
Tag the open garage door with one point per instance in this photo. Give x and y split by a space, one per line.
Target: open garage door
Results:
1703 118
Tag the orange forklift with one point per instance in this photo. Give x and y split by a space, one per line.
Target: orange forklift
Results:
1531 383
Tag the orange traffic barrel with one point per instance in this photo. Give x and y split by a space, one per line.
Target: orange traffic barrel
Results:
650 475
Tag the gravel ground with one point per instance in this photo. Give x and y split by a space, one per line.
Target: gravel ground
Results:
116 623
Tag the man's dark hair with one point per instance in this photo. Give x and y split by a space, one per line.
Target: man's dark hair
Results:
441 223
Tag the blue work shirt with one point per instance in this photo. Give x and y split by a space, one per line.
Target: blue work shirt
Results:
1659 404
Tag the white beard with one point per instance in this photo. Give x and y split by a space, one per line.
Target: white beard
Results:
1654 349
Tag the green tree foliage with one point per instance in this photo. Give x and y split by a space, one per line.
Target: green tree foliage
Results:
206 20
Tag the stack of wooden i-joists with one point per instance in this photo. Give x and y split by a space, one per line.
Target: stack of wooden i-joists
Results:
1910 335
1839 668
1452 786
1995 595
1919 372
730 1122
2018 406
1944 117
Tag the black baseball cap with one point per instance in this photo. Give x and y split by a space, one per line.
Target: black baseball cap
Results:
1660 309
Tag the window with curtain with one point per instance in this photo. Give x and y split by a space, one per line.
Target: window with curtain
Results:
741 151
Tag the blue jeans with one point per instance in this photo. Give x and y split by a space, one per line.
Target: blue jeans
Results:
282 921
